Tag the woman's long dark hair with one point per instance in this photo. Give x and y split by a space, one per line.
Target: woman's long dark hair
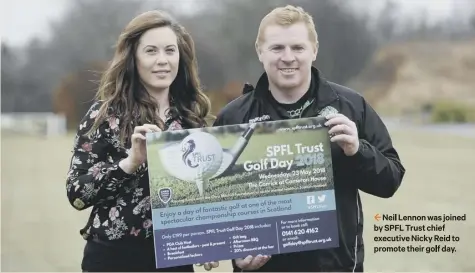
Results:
123 95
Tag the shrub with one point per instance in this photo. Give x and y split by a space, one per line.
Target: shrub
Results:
75 93
452 112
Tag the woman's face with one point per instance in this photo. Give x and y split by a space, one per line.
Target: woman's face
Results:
157 58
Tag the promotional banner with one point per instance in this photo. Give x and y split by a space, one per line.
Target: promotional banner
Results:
220 193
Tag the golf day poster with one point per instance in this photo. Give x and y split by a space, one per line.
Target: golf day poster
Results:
220 193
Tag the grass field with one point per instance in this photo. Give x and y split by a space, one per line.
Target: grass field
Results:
40 228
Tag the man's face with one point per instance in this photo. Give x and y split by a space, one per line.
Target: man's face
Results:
287 55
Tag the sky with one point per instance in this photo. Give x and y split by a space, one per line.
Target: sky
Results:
21 20
436 9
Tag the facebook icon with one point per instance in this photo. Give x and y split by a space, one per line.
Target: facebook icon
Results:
310 199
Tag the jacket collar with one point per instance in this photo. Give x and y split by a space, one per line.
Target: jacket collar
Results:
323 93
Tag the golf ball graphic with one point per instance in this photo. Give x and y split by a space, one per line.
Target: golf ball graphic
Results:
201 154
195 159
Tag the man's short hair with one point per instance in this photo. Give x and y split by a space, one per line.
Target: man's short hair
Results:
286 16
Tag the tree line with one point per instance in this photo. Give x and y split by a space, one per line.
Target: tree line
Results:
61 74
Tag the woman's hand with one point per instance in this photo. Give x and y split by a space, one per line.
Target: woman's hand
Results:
138 152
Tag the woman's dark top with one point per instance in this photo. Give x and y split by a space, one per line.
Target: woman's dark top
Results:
121 213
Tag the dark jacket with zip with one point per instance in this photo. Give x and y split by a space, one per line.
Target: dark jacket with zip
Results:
375 169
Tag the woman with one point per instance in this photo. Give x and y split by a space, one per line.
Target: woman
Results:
151 85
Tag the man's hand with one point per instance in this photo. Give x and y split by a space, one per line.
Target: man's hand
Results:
252 263
343 131
209 266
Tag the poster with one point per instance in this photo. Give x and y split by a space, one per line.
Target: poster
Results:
220 193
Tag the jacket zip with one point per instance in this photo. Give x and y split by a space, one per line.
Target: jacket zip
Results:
305 106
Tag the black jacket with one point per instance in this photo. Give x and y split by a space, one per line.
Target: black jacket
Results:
376 168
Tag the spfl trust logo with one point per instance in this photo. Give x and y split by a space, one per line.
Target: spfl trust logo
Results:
188 148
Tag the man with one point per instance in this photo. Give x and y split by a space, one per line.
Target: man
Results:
362 152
